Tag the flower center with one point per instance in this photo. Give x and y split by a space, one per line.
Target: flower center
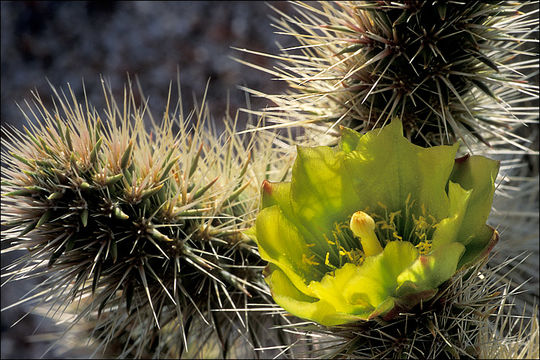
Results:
367 235
416 227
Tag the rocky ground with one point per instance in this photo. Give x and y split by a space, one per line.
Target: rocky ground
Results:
65 42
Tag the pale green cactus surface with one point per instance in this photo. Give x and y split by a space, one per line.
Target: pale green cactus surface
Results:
428 212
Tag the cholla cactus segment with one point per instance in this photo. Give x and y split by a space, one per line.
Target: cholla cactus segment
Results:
145 227
449 70
374 226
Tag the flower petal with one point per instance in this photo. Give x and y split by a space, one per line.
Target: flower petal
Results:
294 301
367 289
280 194
448 229
377 277
276 193
349 139
281 243
476 174
318 191
338 289
430 271
479 247
385 167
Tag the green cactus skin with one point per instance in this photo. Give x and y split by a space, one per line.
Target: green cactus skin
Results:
140 229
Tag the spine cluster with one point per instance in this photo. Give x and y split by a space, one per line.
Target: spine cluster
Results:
449 70
142 229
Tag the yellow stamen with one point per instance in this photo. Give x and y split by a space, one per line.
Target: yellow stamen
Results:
393 216
363 226
309 260
424 247
328 240
327 261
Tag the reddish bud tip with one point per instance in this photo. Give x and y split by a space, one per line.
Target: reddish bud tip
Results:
267 187
462 159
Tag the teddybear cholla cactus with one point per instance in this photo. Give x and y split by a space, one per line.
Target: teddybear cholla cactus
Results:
141 228
447 69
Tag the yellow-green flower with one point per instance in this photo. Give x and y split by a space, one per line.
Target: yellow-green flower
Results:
372 226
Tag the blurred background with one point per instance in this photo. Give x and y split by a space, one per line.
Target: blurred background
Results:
66 42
